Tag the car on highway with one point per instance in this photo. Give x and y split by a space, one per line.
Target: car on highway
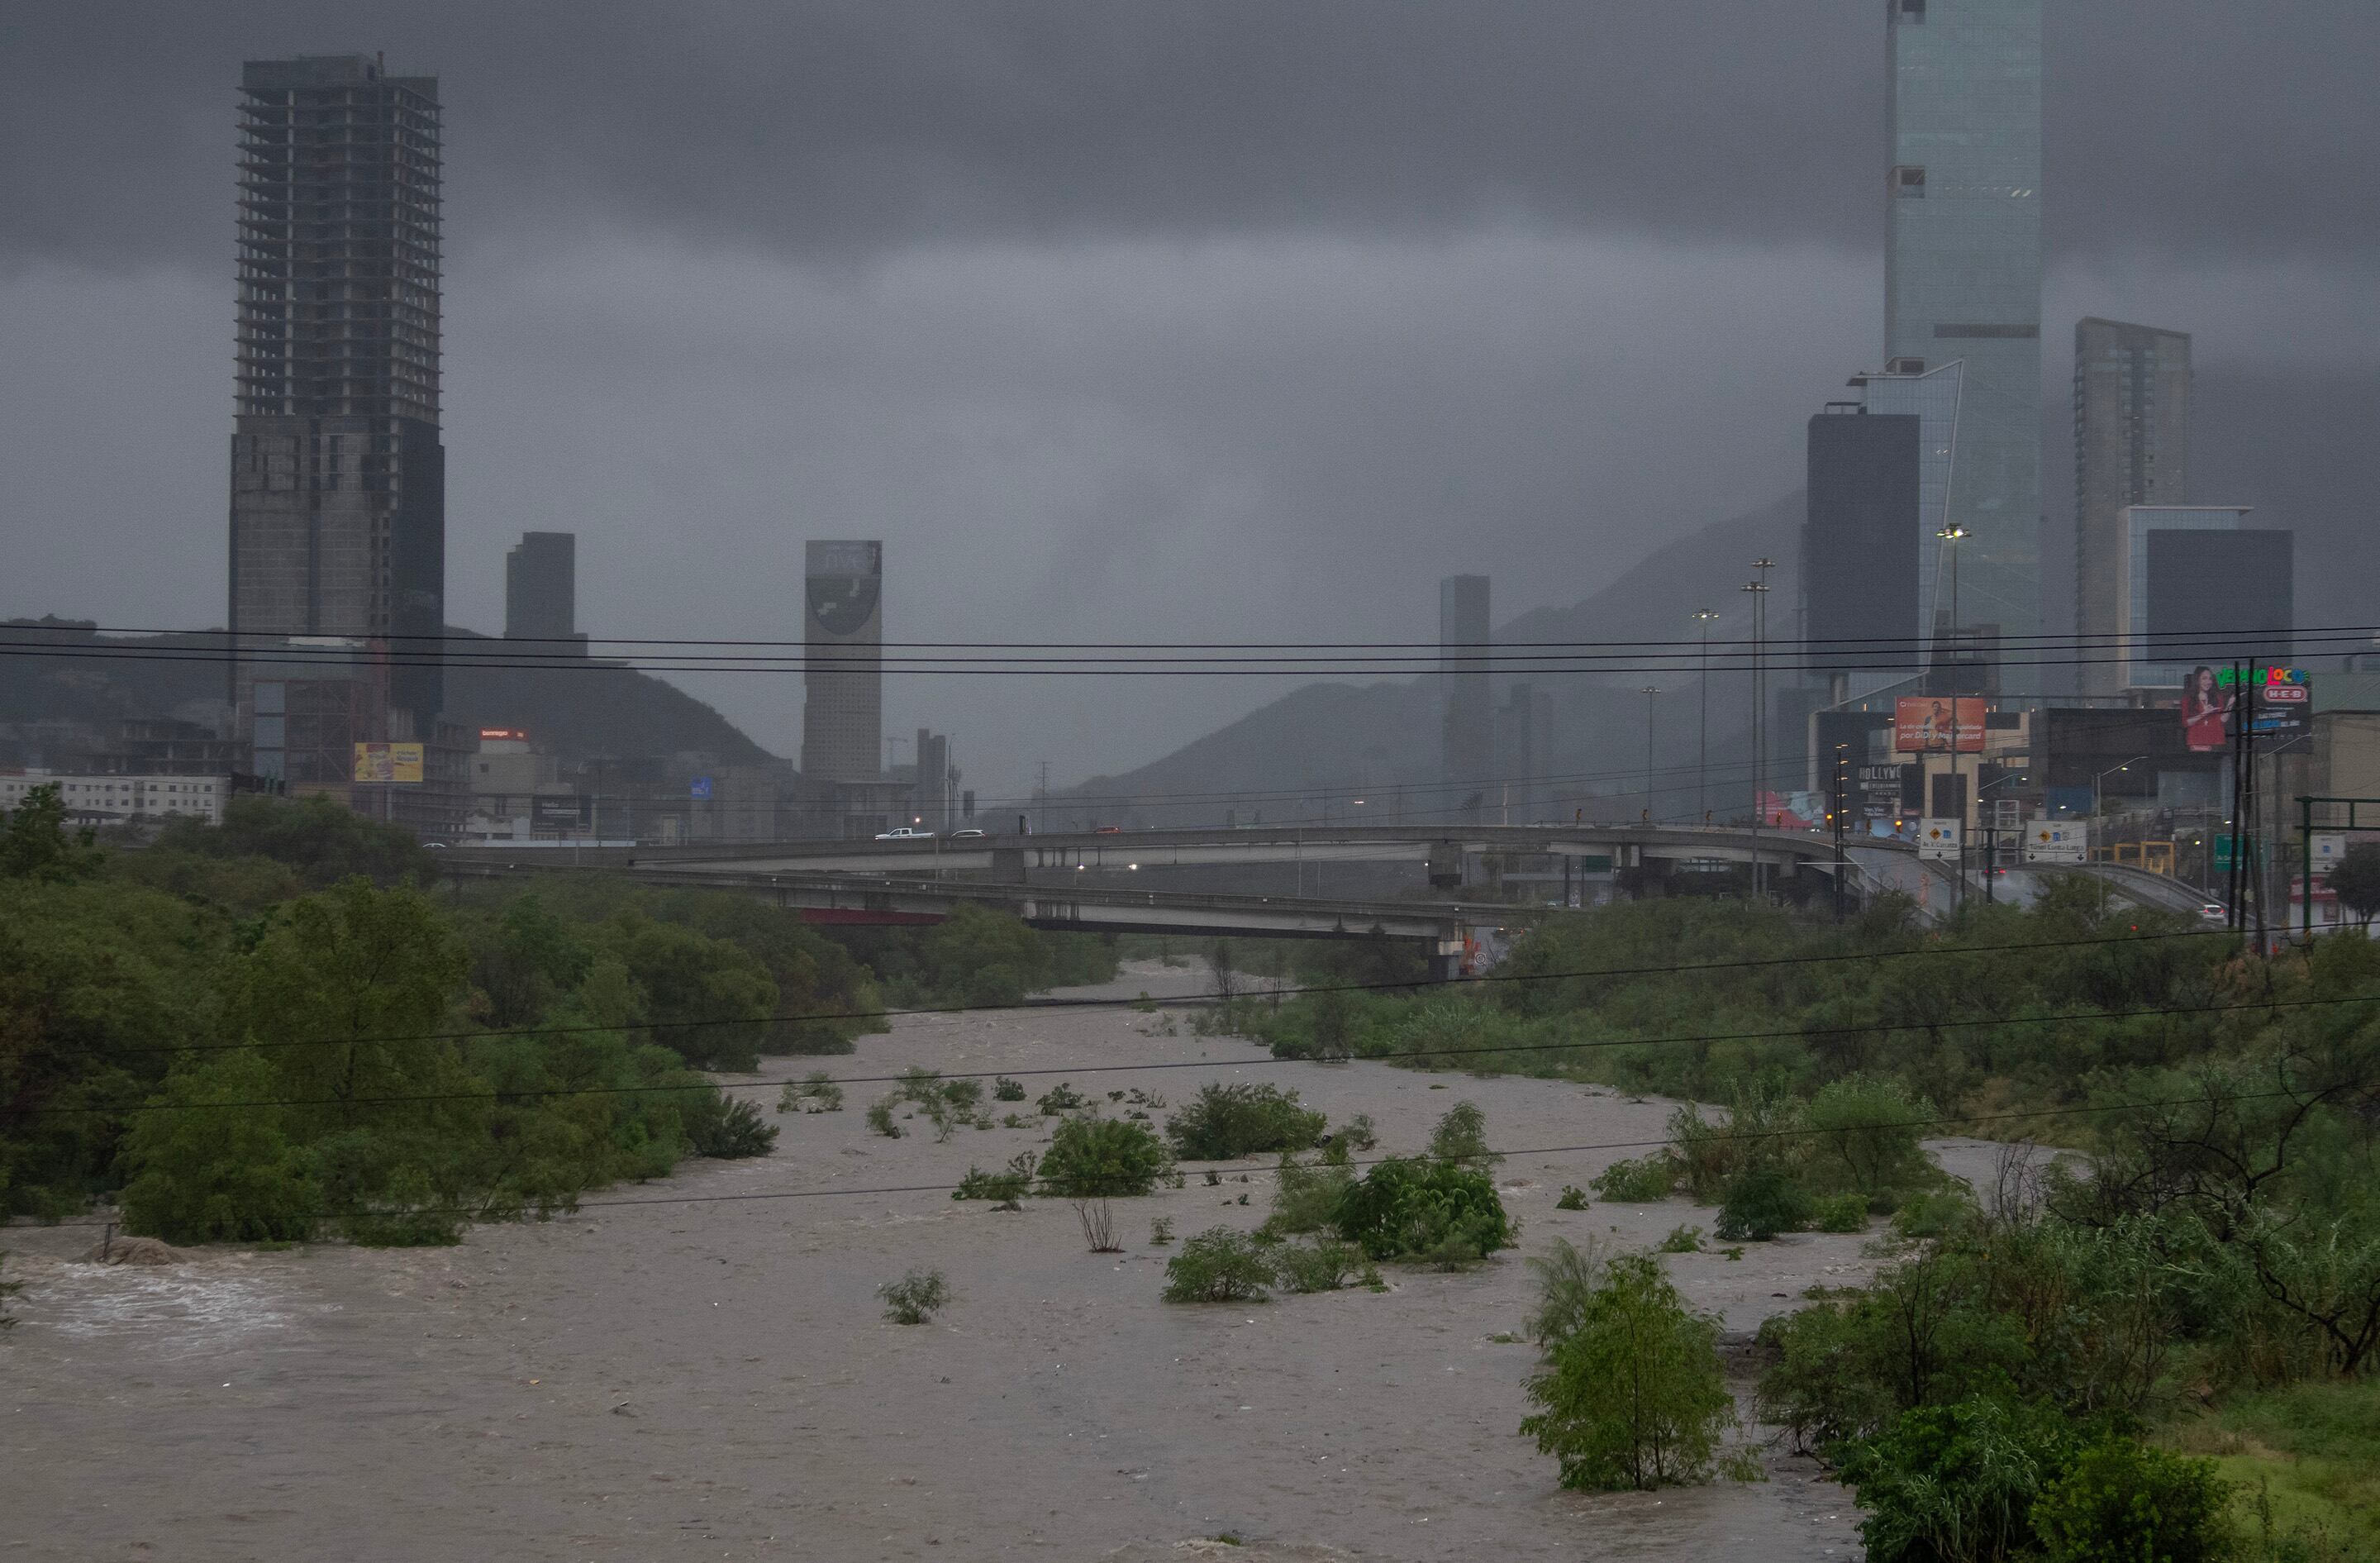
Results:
1107 830
903 832
970 834
2214 912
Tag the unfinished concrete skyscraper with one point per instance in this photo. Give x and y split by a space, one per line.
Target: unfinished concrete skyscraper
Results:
1467 708
842 637
338 507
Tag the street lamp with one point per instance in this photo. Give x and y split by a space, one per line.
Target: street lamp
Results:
1701 762
1760 590
1649 692
2109 772
1951 534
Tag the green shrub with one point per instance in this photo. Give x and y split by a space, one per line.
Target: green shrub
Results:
1958 1483
1461 1138
1007 1187
205 1176
1323 1265
1632 1393
1636 1183
1431 1209
727 1128
1160 1231
1931 1214
1094 1158
1305 1195
1059 1098
2123 1500
8 1290
815 1092
1841 1213
916 1297
1864 1137
1219 1265
1567 1277
1682 1239
1006 1090
1573 1198
879 1118
1762 1201
1358 1134
1226 1122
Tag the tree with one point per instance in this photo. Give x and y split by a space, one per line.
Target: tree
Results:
1461 1138
1633 1392
325 842
1097 1158
2355 880
35 844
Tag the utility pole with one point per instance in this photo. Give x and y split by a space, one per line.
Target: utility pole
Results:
1649 693
1760 590
1702 762
1041 802
1835 816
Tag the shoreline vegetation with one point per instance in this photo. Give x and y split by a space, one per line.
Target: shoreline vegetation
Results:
2153 1334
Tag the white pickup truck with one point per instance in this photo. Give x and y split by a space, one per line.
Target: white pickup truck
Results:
905 833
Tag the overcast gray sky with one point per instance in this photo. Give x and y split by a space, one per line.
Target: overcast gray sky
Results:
1167 321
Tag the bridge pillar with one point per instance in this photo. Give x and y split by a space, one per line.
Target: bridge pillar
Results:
1008 865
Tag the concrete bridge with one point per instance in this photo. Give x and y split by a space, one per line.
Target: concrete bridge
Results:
1445 929
1015 857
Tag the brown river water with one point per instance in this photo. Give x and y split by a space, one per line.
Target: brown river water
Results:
707 1380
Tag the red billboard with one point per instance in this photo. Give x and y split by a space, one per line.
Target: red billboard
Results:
1939 723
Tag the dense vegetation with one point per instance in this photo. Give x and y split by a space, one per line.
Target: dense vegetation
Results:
402 1059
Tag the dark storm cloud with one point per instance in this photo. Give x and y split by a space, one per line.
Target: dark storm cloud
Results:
2201 127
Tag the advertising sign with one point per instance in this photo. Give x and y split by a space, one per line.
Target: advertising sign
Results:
1938 839
2053 841
700 788
2278 704
388 761
558 813
2329 847
1939 723
1880 792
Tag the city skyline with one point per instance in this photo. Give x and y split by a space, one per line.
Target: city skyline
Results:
1576 355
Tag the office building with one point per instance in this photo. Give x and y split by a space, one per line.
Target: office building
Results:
1466 705
843 644
2132 446
1860 547
1962 283
1524 730
2201 586
933 794
541 593
116 799
338 479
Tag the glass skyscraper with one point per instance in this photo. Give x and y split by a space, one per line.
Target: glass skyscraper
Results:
1962 283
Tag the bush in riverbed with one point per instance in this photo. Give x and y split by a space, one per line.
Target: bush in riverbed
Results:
1636 1183
1094 1158
1325 1264
1682 1239
1219 1265
1841 1213
1007 1090
879 1118
1006 1186
1226 1122
2124 1501
1305 1195
1409 1208
1461 1138
814 1092
1573 1198
1632 1390
1059 1098
916 1297
727 1128
1762 1202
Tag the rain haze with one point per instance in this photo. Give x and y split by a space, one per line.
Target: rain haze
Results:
1145 322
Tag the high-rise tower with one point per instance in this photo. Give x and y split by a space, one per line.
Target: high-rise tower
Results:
541 593
1466 707
1962 282
842 639
2132 446
338 509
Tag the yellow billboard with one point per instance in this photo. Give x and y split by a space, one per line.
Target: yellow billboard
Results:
388 761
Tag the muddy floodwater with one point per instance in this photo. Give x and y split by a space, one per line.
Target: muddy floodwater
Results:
716 1379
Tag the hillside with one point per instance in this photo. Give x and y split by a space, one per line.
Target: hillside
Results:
601 708
1352 740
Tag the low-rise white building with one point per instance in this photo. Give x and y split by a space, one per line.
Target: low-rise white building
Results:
107 799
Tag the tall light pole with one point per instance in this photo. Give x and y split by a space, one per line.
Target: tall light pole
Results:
2103 776
1760 590
1649 693
1701 762
1950 535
